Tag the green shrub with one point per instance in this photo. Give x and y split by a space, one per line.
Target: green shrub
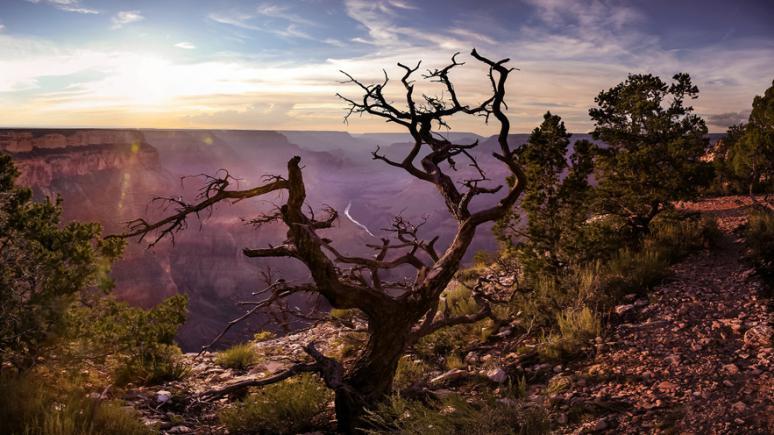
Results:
456 300
240 356
454 361
29 405
139 343
633 272
677 237
759 237
263 336
410 373
164 364
283 408
44 266
576 327
453 414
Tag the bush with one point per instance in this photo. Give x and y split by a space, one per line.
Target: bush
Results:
240 356
29 405
453 414
677 237
44 265
139 343
283 408
633 272
576 327
409 374
263 336
456 300
759 237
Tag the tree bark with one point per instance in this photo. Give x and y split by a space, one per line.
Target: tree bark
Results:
369 381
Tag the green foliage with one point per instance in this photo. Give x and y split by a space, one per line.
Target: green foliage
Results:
263 336
634 272
453 414
284 408
576 327
745 162
138 343
240 356
653 145
410 373
30 406
456 300
43 264
759 237
555 200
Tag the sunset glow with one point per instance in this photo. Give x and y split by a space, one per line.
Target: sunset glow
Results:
259 65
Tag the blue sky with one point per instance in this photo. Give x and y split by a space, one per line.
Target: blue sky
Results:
274 65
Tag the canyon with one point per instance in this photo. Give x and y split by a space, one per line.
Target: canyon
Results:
111 176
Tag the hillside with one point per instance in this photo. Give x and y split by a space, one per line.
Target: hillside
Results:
693 356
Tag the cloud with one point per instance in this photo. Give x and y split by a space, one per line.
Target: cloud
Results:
725 120
185 45
2 27
566 57
123 18
67 5
233 19
282 12
292 26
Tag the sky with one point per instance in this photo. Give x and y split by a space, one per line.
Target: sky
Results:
276 64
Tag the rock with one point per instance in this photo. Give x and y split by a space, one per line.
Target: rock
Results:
497 375
757 336
731 369
561 419
449 376
471 358
739 407
673 359
640 303
504 333
599 425
623 309
163 396
180 429
666 387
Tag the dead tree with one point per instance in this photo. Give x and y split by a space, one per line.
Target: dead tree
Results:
399 312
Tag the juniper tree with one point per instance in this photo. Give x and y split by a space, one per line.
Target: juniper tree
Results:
555 201
749 159
653 144
398 312
43 266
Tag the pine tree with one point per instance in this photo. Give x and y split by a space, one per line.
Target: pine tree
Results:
43 265
653 144
555 200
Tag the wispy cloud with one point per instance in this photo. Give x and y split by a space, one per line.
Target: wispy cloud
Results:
567 53
725 120
123 18
281 22
235 19
68 6
282 12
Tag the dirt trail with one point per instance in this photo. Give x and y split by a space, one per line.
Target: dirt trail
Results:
696 359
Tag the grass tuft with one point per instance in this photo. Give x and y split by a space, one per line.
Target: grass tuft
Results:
240 356
287 407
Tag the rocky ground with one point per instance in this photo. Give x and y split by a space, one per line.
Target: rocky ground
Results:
693 358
